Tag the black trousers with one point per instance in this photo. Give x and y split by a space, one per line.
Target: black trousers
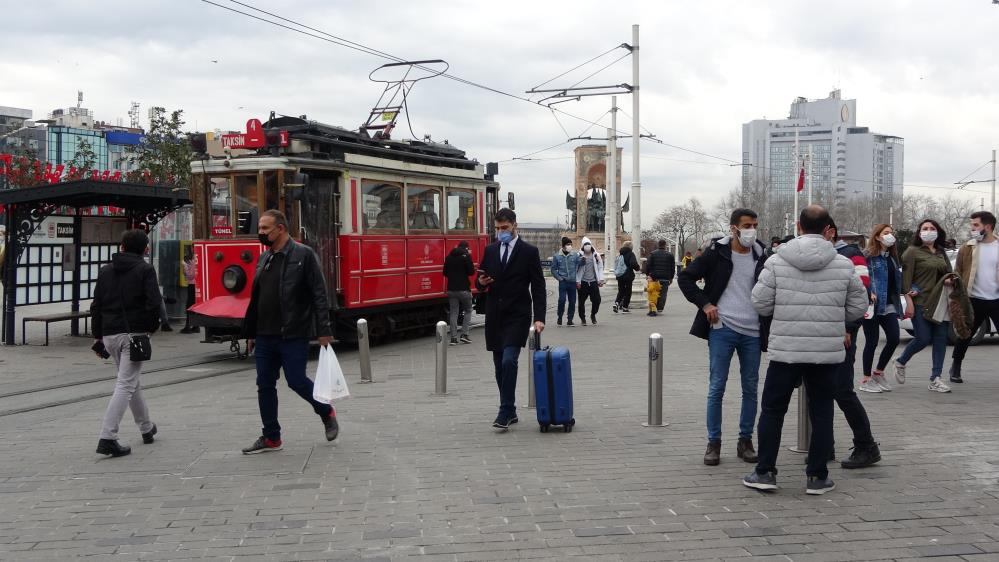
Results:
847 399
782 379
624 290
592 291
661 301
983 310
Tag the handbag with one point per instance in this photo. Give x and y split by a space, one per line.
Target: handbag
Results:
139 347
330 384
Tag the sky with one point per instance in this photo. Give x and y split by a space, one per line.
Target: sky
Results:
924 70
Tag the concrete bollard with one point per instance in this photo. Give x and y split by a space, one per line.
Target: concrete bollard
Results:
364 350
531 348
440 379
655 382
804 422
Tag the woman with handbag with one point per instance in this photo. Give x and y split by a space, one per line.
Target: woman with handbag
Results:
885 274
125 311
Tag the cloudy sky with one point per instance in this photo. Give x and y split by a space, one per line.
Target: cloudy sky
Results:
925 70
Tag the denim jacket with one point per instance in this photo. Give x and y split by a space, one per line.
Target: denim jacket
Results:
564 266
879 268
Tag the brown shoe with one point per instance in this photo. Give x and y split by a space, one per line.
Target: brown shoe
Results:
713 455
745 450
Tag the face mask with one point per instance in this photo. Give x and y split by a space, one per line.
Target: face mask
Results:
265 241
504 236
977 235
747 236
928 236
888 240
587 248
567 248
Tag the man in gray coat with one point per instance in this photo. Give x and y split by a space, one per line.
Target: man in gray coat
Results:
811 291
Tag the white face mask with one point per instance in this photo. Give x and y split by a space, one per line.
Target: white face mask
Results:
977 235
747 236
587 249
888 240
928 236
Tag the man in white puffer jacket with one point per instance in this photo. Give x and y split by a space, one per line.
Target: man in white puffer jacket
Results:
811 291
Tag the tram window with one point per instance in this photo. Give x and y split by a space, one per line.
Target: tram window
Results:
247 207
382 206
423 204
220 202
461 210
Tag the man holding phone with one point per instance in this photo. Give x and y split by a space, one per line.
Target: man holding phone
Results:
511 274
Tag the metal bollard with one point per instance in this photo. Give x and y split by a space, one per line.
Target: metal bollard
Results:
655 382
440 383
804 422
531 348
364 350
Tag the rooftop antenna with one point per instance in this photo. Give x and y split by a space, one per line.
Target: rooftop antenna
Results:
133 114
79 99
393 99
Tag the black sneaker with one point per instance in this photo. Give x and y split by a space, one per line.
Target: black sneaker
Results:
615 308
570 324
593 318
165 327
454 341
652 313
818 486
465 339
147 438
955 372
625 310
758 481
262 445
559 321
332 427
513 420
111 447
862 457
502 422
582 321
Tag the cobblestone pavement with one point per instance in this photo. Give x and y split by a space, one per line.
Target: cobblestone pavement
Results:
415 475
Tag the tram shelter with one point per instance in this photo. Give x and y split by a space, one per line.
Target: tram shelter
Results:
142 206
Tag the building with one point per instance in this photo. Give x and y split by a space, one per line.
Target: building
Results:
12 118
848 162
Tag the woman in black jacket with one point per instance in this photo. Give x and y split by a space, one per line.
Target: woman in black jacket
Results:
625 267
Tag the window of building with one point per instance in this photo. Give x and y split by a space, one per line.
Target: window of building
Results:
221 202
423 207
461 210
381 206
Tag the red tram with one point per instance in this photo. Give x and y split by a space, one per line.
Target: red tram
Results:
381 215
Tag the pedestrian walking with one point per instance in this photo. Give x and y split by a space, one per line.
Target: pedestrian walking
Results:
126 302
885 273
589 279
660 268
865 450
687 258
924 268
625 267
726 318
288 307
978 266
190 275
511 272
819 292
565 262
458 269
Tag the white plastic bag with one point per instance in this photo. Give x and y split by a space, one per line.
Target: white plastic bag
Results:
330 383
870 312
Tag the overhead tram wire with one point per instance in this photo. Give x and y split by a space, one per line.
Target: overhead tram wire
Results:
577 67
567 141
372 51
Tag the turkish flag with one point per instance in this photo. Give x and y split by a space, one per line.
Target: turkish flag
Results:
801 180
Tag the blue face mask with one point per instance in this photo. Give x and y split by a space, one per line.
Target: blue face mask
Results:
504 236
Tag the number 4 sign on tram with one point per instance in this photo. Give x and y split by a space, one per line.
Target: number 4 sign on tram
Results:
254 137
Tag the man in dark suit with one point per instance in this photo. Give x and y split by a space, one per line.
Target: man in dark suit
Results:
511 273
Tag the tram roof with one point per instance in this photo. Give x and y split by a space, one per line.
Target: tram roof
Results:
89 193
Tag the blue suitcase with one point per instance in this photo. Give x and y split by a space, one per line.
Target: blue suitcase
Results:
553 387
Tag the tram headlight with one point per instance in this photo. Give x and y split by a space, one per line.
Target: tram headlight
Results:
233 278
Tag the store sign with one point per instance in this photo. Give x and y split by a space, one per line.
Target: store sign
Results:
254 137
221 231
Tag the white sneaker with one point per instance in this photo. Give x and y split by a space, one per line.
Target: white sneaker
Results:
899 372
880 380
937 386
869 386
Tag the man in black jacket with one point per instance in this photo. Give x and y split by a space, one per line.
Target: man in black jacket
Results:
726 318
511 271
457 269
288 307
661 267
126 301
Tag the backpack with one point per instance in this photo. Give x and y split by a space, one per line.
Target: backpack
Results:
620 268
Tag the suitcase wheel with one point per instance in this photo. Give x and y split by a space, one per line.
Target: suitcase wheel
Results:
567 428
544 428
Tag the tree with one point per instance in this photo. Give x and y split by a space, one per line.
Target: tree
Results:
84 159
164 156
682 223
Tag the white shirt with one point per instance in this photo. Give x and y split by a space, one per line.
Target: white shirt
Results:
986 285
508 248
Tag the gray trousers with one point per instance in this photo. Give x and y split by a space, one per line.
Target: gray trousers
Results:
127 390
464 300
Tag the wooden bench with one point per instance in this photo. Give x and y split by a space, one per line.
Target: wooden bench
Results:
50 318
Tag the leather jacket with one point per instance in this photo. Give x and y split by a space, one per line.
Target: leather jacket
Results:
305 309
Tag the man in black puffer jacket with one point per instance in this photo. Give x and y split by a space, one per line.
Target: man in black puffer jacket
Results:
661 267
457 269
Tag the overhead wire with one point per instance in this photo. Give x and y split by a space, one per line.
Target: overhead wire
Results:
577 67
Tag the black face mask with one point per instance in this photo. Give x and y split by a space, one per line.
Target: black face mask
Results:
265 241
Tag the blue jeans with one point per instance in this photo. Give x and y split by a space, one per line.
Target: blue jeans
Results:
927 333
722 343
505 361
566 289
274 353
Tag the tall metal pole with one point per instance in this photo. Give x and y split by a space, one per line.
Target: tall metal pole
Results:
636 137
993 181
364 350
797 174
613 198
809 175
440 375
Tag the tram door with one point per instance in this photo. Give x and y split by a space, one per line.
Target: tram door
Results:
492 205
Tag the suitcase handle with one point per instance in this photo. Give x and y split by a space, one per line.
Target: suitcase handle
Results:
537 341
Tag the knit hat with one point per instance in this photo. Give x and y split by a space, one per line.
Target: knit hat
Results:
566 240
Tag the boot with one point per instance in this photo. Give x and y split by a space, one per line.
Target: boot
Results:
863 457
745 451
712 456
111 447
955 371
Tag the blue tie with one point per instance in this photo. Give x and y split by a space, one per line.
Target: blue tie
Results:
506 253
